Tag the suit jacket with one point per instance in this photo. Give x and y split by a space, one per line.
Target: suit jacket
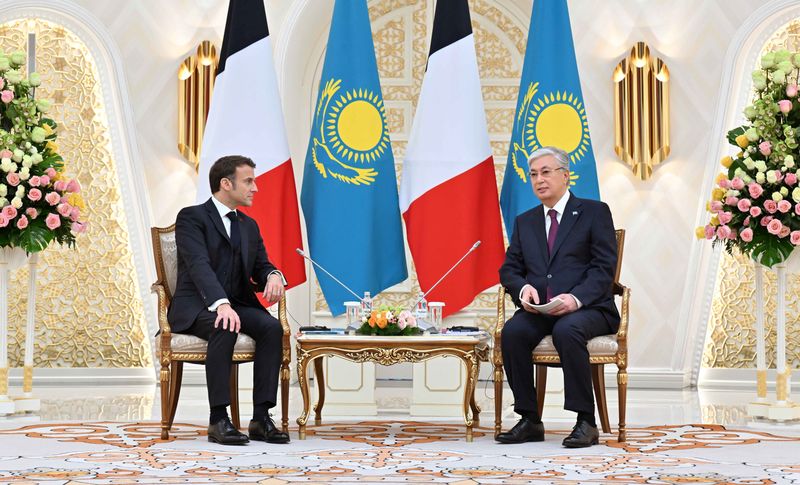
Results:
205 260
583 262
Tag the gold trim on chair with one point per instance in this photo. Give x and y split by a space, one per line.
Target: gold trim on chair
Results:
542 358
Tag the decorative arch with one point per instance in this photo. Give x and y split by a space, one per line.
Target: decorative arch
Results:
735 90
132 212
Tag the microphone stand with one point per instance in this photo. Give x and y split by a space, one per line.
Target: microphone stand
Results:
360 299
303 254
473 248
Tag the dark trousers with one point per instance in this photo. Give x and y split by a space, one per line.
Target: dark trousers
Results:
523 332
268 334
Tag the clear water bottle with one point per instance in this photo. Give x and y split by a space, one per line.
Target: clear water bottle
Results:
366 305
422 307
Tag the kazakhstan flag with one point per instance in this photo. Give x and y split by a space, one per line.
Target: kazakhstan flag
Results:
349 194
550 112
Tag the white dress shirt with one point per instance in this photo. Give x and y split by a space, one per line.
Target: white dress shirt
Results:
226 222
559 208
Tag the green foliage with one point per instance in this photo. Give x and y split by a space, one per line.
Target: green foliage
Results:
38 204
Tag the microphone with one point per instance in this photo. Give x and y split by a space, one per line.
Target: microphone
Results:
473 248
303 254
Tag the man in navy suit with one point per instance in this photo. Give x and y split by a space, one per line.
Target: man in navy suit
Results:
563 249
221 263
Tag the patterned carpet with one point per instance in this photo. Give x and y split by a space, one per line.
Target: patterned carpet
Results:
391 452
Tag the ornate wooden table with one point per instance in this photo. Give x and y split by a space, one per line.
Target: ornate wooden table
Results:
471 349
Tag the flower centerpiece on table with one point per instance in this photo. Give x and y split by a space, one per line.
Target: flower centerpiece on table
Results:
38 204
755 203
387 320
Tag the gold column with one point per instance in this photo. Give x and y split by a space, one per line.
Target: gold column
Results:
781 384
761 383
195 83
641 111
3 381
27 379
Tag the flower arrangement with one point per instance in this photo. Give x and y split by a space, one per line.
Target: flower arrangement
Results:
755 203
38 204
386 320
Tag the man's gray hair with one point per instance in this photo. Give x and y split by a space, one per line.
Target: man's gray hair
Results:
562 158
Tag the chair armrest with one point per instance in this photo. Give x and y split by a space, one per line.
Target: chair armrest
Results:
163 324
287 334
166 332
287 331
497 352
622 333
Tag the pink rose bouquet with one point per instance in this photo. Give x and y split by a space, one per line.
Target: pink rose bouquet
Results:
39 204
755 203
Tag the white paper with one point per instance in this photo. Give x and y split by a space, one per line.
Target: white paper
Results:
545 308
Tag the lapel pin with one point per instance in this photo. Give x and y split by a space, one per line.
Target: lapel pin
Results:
574 213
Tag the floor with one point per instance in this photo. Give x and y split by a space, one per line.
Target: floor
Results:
105 436
645 407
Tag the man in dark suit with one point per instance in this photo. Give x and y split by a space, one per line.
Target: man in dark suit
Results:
221 263
563 249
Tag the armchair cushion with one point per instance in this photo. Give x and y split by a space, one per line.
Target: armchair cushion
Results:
604 345
181 342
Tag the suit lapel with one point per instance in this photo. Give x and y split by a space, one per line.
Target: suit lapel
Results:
571 214
541 232
213 213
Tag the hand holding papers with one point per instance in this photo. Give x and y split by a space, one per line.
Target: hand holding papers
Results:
545 308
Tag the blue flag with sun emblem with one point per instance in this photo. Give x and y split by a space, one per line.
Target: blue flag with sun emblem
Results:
550 112
349 194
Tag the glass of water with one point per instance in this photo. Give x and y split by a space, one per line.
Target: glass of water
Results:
353 310
435 313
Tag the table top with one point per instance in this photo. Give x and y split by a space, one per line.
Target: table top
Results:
480 339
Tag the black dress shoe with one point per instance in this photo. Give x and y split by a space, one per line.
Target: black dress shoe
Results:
583 435
224 433
265 430
525 430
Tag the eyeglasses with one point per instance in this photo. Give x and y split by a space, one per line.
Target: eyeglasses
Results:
546 173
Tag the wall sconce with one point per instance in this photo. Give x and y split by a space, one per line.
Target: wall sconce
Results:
195 83
641 111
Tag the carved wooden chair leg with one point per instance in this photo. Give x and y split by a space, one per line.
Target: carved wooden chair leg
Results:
175 379
165 396
541 386
498 400
599 382
622 386
235 396
285 374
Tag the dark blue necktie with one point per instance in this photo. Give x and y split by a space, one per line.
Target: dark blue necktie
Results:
236 235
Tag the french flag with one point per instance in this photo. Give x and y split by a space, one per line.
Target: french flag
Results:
245 118
448 193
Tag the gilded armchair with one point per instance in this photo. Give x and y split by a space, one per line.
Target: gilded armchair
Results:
605 349
174 349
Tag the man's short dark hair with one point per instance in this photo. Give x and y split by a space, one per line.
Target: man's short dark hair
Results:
225 168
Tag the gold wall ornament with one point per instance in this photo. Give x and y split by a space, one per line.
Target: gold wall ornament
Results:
641 111
195 83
